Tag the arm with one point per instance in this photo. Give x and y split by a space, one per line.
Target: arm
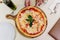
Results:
27 3
39 2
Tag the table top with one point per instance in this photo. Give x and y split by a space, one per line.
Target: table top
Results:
52 18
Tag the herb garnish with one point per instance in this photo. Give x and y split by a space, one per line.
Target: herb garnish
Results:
30 20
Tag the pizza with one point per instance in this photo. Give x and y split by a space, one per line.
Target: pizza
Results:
31 21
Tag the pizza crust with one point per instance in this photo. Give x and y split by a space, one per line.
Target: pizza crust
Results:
19 26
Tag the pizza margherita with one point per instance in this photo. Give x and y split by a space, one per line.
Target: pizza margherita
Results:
31 21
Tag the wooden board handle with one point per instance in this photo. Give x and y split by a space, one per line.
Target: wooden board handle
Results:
9 16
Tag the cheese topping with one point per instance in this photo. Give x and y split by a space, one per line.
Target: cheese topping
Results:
36 24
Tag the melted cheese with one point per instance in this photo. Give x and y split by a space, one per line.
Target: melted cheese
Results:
32 29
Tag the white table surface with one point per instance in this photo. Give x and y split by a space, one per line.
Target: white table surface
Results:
52 19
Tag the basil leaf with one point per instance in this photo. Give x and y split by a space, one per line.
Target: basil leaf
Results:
30 24
27 19
30 20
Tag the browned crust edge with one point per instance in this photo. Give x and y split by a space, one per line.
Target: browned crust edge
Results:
20 31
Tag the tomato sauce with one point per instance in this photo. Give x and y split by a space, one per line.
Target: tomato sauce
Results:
24 30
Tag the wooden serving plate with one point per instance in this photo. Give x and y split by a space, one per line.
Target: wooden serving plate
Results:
22 30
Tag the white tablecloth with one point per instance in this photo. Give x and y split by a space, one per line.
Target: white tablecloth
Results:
52 19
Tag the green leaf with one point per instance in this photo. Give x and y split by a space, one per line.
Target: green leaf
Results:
27 19
30 20
30 24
